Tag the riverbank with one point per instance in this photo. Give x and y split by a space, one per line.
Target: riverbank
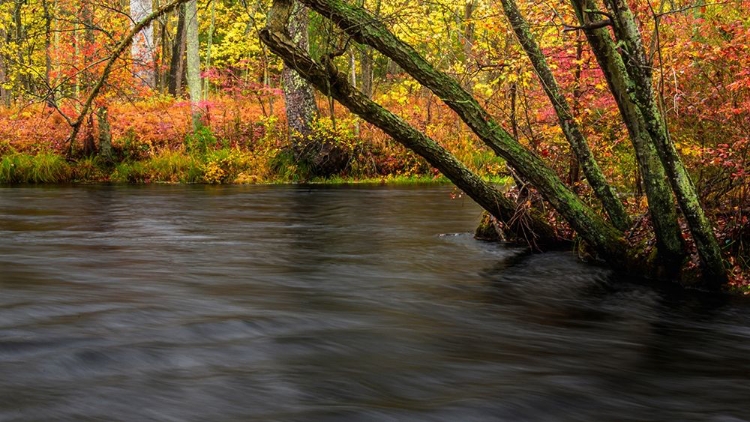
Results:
222 166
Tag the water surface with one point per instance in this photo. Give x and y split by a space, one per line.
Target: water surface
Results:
195 303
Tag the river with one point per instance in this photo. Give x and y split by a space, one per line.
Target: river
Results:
265 303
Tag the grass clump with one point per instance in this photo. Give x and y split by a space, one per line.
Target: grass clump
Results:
44 167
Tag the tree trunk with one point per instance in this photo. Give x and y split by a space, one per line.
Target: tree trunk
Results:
160 57
105 135
4 94
574 170
660 201
366 71
612 205
193 61
48 85
367 59
87 15
143 47
639 69
20 38
326 77
298 94
87 18
209 47
467 42
177 61
365 29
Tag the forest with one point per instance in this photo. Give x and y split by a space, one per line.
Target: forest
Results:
620 127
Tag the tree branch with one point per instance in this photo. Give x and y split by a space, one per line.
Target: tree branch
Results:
121 48
589 26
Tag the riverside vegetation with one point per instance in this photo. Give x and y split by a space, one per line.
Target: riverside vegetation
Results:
153 142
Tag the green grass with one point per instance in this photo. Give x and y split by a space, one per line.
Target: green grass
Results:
217 166
173 167
44 167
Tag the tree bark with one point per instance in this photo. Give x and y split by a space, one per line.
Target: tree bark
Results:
365 29
193 61
574 170
143 48
209 47
660 202
4 93
603 190
105 135
367 59
325 77
640 70
48 85
20 37
87 15
177 61
467 42
298 94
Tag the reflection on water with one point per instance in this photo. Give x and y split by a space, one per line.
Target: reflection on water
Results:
192 303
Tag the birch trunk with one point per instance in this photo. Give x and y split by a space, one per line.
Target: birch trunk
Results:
143 48
193 61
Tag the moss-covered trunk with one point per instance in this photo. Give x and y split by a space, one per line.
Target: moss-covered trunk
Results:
603 190
658 192
639 69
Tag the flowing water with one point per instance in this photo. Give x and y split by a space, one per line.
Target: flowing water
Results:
196 303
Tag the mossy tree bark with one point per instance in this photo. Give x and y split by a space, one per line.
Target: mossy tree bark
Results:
570 127
324 76
105 135
661 203
639 70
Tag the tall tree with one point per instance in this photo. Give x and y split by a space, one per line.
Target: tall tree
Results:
4 94
299 97
50 91
640 70
628 71
659 195
177 61
612 205
193 60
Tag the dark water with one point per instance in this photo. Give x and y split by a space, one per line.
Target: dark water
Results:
166 303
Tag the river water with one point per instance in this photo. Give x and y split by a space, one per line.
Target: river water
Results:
199 303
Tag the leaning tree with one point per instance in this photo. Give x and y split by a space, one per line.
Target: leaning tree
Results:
616 42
